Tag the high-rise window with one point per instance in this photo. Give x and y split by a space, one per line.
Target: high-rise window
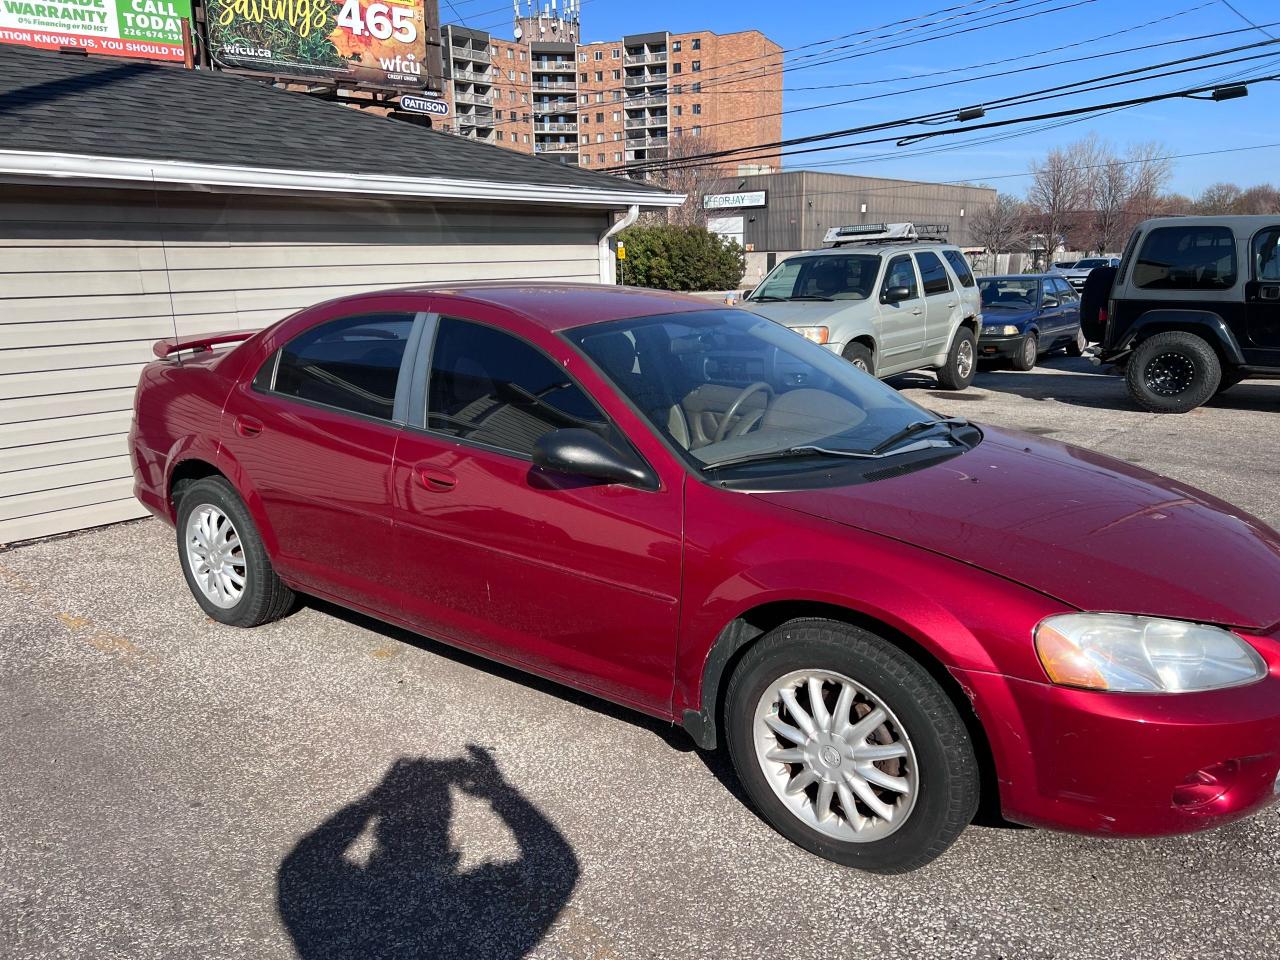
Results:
696 66
599 54
697 108
697 43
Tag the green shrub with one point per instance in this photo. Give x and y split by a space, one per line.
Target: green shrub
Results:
680 258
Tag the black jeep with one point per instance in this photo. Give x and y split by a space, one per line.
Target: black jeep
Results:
1193 309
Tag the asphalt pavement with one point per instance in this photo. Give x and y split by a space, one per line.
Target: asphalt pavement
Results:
329 787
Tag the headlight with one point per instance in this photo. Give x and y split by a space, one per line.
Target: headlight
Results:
1000 329
1118 652
816 334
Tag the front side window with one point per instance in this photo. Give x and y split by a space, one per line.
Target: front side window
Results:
825 277
1266 255
901 273
961 267
350 364
1187 258
933 274
726 386
489 387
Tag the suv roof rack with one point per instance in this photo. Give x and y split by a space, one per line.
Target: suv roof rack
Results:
881 232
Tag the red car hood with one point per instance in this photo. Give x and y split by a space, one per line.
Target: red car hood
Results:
1093 532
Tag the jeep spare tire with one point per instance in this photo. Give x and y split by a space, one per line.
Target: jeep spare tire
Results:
1093 300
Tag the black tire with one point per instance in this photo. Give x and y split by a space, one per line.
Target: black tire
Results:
1028 353
859 354
953 376
264 597
1075 346
947 790
1172 372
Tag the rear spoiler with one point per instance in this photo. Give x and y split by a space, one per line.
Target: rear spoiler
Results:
205 341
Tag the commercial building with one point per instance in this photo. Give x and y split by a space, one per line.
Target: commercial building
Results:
774 215
140 201
613 104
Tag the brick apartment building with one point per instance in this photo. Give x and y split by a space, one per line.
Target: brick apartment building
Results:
612 104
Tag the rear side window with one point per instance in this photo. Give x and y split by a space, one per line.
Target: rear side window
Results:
351 364
1187 258
1266 255
490 387
933 274
900 273
961 267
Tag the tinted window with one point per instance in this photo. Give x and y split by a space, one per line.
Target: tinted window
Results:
492 388
933 273
961 267
901 273
1266 254
838 276
1187 258
351 364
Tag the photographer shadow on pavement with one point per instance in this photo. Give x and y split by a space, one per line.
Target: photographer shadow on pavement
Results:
408 897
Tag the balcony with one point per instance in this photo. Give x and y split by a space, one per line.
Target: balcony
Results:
640 156
645 80
475 121
556 106
639 123
561 127
645 143
554 85
636 59
473 76
476 99
658 99
555 148
553 66
468 53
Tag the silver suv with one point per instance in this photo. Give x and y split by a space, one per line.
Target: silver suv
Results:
887 297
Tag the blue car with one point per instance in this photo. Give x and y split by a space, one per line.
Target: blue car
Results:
1026 316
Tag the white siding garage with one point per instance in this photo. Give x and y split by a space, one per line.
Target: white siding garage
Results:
100 257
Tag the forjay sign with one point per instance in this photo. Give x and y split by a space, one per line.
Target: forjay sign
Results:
732 201
140 29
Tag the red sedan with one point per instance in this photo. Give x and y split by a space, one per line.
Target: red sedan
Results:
695 512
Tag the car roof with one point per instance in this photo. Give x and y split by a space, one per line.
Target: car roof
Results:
1020 276
561 306
1244 222
874 246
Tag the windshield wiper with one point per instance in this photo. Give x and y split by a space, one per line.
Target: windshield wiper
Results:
811 296
762 299
911 429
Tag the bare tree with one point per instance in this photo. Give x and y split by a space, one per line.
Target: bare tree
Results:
690 176
1262 199
1060 190
1123 190
1221 198
1149 173
1000 227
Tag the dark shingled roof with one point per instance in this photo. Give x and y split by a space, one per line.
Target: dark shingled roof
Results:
65 103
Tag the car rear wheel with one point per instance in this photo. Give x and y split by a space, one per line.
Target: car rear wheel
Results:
1172 372
1028 353
860 356
849 748
962 362
223 559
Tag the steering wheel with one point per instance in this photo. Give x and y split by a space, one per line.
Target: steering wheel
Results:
749 391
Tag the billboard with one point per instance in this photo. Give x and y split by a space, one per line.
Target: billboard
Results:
380 43
140 29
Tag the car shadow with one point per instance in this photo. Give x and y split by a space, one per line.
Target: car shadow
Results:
381 878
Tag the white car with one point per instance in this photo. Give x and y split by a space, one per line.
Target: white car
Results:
1076 274
887 297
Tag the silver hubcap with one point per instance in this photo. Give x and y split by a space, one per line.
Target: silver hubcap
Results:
836 755
860 364
215 555
964 359
1029 351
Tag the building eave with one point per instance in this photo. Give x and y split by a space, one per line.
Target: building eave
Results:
29 165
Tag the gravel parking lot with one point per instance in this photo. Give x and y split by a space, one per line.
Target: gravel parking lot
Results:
330 787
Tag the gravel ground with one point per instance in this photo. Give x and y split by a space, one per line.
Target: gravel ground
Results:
329 787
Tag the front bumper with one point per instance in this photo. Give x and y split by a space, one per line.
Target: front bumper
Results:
991 347
1120 764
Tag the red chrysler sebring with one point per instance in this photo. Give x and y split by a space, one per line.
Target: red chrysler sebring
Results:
695 512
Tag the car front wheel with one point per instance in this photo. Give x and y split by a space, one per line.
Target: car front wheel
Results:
860 356
223 559
961 363
1028 352
849 748
1172 372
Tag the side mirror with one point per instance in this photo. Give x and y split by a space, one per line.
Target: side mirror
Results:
1049 302
896 294
583 453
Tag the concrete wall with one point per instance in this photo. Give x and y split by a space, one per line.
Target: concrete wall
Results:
90 278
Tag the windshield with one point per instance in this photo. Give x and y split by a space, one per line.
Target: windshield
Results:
1065 264
724 385
1093 262
1016 292
832 276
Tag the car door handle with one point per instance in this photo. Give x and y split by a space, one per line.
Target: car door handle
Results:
248 427
436 480
916 313
953 304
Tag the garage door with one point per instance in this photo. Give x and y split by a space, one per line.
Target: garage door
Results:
86 286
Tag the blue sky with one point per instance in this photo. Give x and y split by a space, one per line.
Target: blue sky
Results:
1098 26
